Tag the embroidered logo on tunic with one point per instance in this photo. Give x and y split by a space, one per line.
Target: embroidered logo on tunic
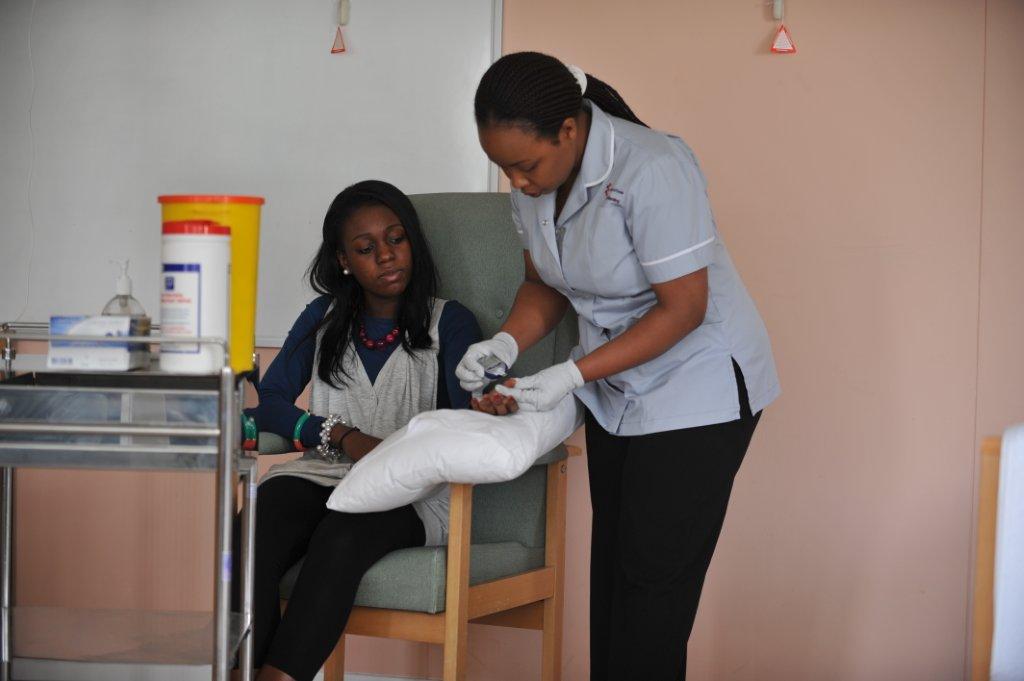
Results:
612 194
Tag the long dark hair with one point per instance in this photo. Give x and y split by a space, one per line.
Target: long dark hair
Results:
539 92
326 277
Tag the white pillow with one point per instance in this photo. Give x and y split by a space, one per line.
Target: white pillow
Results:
451 445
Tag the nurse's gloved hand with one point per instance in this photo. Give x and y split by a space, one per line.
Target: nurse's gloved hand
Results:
470 371
545 389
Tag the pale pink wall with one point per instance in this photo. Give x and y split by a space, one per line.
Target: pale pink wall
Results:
847 181
1001 336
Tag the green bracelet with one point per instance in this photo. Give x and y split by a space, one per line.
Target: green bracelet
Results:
297 434
250 434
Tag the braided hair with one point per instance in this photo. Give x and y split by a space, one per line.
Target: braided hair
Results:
539 92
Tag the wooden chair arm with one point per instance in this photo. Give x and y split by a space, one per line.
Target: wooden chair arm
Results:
460 512
460 526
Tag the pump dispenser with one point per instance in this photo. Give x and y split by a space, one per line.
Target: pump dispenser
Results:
123 302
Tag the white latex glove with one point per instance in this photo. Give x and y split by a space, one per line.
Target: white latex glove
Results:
470 371
545 389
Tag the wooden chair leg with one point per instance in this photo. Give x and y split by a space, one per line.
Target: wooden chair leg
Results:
334 668
551 641
456 609
551 645
454 662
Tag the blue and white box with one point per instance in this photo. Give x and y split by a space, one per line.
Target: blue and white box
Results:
97 355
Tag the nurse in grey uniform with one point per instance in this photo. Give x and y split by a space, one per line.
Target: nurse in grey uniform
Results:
674 365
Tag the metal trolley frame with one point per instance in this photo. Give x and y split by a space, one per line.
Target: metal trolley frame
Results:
21 448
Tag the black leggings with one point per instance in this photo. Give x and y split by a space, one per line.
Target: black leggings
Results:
292 520
659 501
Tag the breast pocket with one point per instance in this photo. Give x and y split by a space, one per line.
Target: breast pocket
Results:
611 263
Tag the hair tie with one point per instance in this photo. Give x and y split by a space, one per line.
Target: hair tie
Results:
579 75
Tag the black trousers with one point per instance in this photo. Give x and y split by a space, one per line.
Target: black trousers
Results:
291 521
659 501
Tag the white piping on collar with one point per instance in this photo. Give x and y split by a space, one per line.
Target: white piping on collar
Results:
611 157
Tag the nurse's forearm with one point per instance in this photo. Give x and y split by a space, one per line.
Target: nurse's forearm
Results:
682 304
650 337
536 311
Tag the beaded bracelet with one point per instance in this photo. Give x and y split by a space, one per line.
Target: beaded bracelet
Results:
325 449
250 432
297 433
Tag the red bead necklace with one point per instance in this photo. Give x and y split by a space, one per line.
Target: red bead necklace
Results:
387 341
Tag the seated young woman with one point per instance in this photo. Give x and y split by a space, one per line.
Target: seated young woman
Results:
379 347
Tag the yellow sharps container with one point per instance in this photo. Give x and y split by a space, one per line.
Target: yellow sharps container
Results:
242 214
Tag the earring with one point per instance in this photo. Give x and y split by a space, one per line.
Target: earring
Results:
346 272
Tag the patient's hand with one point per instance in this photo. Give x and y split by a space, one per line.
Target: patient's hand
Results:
495 403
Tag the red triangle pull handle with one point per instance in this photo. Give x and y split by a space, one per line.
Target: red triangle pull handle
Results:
339 43
783 43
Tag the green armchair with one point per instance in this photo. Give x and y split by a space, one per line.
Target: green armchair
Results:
504 561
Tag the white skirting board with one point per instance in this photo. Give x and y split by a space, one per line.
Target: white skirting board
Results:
56 670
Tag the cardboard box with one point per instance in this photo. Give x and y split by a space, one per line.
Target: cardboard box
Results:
98 355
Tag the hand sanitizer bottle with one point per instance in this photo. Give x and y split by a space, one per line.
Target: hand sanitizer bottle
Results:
123 302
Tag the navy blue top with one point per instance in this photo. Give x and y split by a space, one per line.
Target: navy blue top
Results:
293 368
